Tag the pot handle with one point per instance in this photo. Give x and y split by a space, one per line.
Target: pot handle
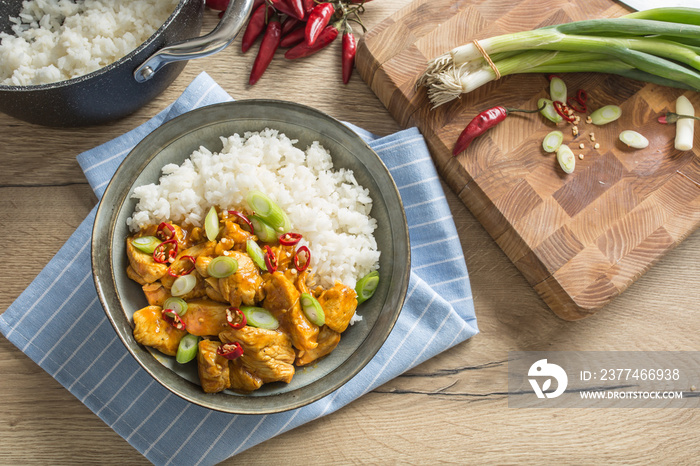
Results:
225 32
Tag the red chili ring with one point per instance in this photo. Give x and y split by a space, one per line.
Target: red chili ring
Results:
306 263
230 350
581 96
173 318
576 106
160 232
186 272
270 260
560 108
290 239
235 318
160 251
243 218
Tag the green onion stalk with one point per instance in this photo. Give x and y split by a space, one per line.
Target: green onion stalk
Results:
654 46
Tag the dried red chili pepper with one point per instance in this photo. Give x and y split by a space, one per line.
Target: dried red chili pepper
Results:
230 350
256 25
295 37
302 50
348 57
289 24
270 260
308 6
268 47
283 7
173 318
290 239
166 251
319 18
165 231
297 7
302 266
172 273
483 122
563 111
242 218
235 318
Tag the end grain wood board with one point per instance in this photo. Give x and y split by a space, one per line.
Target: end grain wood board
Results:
579 239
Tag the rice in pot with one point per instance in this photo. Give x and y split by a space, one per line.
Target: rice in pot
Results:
56 40
328 207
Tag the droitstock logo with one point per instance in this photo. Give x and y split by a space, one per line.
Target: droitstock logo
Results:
546 371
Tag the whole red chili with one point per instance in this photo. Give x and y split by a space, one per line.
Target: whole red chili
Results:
308 6
483 122
165 231
293 38
268 47
173 318
230 350
235 318
187 271
319 18
328 35
297 7
348 58
289 24
301 266
255 27
283 7
270 260
166 251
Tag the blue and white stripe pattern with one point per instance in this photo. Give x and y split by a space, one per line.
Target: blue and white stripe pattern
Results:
59 323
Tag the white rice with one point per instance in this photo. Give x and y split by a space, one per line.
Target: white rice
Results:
56 40
328 207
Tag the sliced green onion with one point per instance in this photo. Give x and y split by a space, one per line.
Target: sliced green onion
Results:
557 89
265 208
256 253
312 309
684 126
552 141
262 230
366 286
605 115
566 158
146 244
549 112
634 139
222 267
211 224
259 317
183 285
178 305
187 349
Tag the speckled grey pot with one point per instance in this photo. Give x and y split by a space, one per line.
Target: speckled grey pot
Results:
175 141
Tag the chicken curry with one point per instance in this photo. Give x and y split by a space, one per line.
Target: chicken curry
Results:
245 309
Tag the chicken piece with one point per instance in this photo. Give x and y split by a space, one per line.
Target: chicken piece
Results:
154 331
211 286
212 368
131 273
241 379
244 286
339 304
205 254
180 265
234 232
267 354
282 299
156 294
327 341
143 264
204 318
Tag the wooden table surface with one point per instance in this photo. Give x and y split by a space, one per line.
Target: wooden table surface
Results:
451 409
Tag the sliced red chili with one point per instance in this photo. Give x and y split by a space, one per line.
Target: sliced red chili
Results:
301 266
562 110
242 218
230 350
235 318
165 231
166 252
172 273
270 260
552 76
581 96
173 319
576 106
290 239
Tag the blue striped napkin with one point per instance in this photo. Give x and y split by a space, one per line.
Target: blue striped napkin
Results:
59 322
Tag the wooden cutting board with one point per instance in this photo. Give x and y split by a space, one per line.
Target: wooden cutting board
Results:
579 239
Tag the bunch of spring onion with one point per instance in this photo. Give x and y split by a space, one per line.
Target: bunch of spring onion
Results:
661 46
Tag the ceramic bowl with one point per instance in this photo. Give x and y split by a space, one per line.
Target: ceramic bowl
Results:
172 143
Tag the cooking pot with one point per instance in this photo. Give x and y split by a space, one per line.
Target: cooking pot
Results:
124 86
